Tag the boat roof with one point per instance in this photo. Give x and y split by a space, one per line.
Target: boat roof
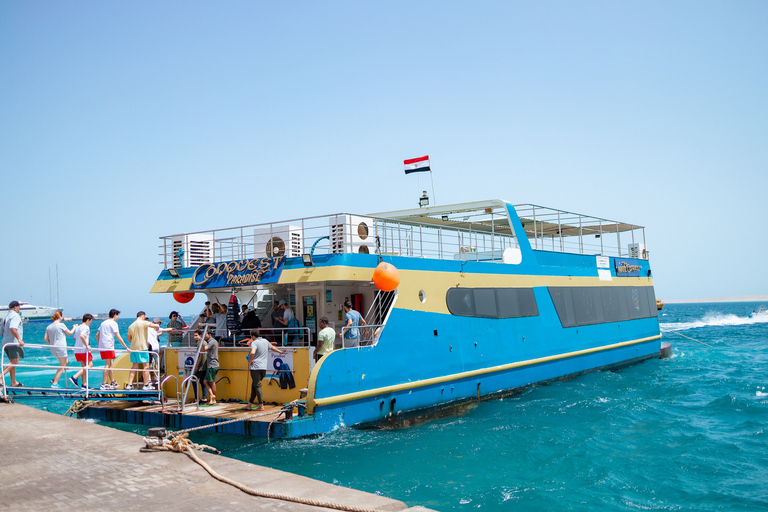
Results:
491 215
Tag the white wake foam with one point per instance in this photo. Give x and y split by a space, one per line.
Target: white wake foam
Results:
715 320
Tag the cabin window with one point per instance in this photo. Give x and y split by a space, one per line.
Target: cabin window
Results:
492 302
590 305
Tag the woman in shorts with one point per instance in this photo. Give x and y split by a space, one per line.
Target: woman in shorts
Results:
56 336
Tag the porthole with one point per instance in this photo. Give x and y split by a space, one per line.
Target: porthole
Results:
422 296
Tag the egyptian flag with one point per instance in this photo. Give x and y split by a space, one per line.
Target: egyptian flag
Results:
417 164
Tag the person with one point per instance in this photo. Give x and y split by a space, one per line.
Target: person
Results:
154 345
105 337
352 319
211 349
250 321
243 312
13 332
137 337
176 334
56 336
83 350
257 363
218 312
286 317
325 339
202 365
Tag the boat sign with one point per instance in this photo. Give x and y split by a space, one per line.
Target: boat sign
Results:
238 273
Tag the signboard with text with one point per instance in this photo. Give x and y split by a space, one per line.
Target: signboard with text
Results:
227 274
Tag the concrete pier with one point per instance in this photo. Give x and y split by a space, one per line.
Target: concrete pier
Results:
49 461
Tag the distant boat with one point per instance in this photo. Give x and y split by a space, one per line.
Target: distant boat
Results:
32 313
761 311
659 304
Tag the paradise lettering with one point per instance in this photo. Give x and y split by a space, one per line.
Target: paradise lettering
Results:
626 268
237 272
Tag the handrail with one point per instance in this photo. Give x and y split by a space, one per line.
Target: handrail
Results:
77 350
368 335
183 401
185 391
162 386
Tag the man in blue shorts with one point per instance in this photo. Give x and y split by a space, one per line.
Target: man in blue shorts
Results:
137 337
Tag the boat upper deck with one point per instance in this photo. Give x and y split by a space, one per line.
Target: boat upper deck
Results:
478 231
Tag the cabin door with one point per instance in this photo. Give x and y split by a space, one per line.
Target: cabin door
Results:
309 305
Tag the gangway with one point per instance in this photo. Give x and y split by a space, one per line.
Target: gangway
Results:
75 393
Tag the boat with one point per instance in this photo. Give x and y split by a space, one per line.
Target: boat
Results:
659 304
492 298
759 312
32 313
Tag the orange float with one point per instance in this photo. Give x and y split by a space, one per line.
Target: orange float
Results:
386 277
183 297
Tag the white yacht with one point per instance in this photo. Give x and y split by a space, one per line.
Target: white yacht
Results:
32 313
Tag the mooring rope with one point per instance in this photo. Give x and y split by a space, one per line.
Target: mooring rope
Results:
180 443
684 336
77 406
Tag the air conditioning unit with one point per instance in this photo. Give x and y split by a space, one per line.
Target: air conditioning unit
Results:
350 233
278 241
191 250
638 251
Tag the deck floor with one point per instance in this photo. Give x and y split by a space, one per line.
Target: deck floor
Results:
221 410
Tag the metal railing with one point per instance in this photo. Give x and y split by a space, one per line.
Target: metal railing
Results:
333 234
481 235
554 230
368 335
87 369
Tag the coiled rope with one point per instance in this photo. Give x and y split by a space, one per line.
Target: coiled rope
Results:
77 406
180 443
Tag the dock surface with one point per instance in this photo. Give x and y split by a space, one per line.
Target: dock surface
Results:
49 461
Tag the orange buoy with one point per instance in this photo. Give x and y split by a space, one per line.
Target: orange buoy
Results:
386 277
183 297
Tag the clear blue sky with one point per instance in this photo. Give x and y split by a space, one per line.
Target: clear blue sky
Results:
124 121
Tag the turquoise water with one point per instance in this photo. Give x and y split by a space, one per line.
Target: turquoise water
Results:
686 433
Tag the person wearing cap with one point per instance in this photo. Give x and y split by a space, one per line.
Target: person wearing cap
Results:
325 339
13 332
287 315
137 337
211 349
154 344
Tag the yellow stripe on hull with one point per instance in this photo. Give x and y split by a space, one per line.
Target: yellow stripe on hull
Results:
312 402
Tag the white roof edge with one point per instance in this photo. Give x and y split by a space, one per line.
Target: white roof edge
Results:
439 209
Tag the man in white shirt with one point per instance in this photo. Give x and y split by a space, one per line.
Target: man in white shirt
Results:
13 332
154 344
105 336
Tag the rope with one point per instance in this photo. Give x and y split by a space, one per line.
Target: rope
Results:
77 406
181 444
684 336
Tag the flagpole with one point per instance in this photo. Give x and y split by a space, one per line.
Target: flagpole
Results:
433 185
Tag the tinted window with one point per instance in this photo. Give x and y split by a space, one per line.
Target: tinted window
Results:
589 305
485 302
492 302
460 301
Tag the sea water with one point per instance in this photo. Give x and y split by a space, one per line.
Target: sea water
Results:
685 433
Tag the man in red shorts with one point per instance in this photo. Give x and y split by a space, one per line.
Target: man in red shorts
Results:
108 331
83 349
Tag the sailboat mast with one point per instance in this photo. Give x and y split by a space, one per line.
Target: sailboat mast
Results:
58 292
